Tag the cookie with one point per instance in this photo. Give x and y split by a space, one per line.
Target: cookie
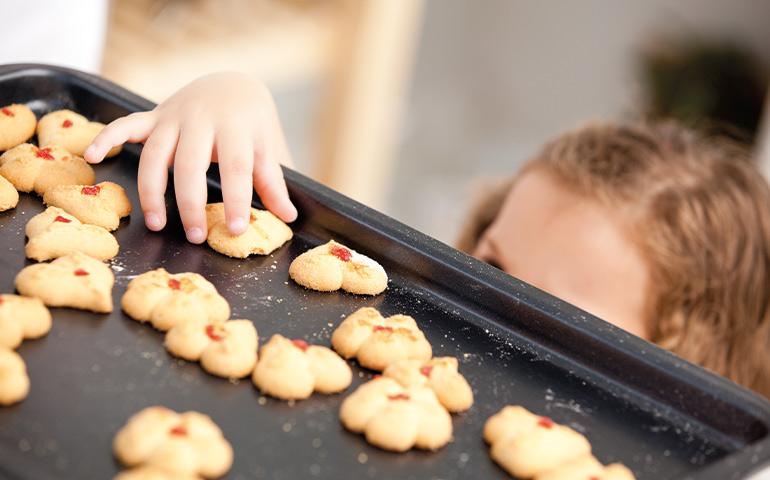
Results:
527 445
153 473
333 266
293 370
183 444
440 375
55 233
396 418
30 168
22 318
226 349
165 299
17 125
9 197
14 382
75 280
264 234
69 130
103 204
377 341
589 468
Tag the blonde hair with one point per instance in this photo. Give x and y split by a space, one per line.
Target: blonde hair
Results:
699 211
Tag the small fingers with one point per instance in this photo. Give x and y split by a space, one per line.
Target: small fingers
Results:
152 179
271 187
236 164
133 128
193 155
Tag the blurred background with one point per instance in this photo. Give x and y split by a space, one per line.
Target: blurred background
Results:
410 106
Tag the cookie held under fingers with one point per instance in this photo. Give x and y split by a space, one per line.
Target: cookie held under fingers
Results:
70 130
396 418
186 444
9 196
226 349
530 446
75 281
103 204
55 233
165 299
14 382
293 369
440 375
376 341
30 168
22 318
333 266
264 234
17 125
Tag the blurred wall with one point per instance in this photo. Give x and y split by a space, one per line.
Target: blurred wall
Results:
494 79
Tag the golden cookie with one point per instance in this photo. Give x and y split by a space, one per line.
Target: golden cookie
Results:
14 382
333 266
153 473
396 418
165 299
9 197
527 445
377 341
103 204
70 130
183 444
265 233
293 370
440 375
30 168
17 125
75 280
589 468
55 233
226 349
22 318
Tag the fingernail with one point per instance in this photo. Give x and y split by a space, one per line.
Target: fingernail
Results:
153 222
292 211
237 226
195 235
89 151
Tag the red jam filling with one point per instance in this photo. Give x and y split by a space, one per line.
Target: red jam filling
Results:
426 370
92 190
301 344
212 333
342 253
61 219
67 123
380 328
398 396
44 153
174 284
545 422
7 112
81 273
178 430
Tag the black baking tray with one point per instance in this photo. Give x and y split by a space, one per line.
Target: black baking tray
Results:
661 416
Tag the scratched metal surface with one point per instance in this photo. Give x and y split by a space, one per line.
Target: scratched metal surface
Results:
638 405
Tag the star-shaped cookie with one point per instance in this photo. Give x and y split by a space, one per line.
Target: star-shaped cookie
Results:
165 299
75 280
226 349
396 418
55 233
17 125
30 168
293 369
265 233
9 197
69 130
440 375
103 204
14 382
377 341
334 266
22 318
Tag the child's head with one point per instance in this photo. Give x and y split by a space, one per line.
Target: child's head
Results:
655 228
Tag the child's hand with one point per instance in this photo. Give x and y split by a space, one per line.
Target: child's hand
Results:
223 117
